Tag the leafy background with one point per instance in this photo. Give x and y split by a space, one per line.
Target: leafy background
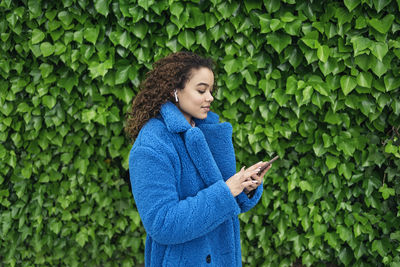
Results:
316 82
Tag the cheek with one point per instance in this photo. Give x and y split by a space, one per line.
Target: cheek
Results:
196 99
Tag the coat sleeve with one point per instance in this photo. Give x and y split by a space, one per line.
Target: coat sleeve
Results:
166 218
245 203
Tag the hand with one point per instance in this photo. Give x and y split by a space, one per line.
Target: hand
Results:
241 180
257 178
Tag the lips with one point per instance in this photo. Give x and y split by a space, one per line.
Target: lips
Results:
207 108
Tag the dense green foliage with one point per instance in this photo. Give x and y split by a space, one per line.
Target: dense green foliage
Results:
316 82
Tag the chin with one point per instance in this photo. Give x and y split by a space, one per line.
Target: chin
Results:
201 117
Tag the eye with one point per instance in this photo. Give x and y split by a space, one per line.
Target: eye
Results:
201 91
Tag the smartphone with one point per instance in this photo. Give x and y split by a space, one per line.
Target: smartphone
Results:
267 164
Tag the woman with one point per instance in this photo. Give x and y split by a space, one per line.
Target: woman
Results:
182 168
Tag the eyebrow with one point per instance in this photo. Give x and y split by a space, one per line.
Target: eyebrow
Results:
201 83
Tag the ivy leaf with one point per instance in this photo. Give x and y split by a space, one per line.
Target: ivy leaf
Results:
186 38
35 8
351 4
45 69
231 65
68 82
140 30
176 8
122 73
82 237
323 52
379 50
88 115
332 117
391 82
346 256
380 4
377 245
367 105
364 79
47 49
332 240
272 5
305 186
49 101
65 17
91 34
251 4
291 85
172 30
265 22
378 67
346 169
203 39
125 39
331 161
382 25
101 6
55 226
386 191
280 96
37 36
146 4
319 229
360 44
278 41
347 83
396 107
344 233
363 61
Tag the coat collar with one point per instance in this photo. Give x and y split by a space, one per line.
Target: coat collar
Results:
176 122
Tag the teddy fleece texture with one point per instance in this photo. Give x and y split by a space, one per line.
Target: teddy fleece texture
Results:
178 175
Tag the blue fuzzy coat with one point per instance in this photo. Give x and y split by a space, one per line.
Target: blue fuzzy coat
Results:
178 175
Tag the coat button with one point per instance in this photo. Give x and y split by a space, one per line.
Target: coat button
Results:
208 258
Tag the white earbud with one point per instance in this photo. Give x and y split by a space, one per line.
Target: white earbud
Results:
176 97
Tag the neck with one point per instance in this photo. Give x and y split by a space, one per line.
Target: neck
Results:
190 120
187 117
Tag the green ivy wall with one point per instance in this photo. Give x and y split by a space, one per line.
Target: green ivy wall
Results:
316 82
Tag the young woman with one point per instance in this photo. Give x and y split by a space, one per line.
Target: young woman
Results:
183 170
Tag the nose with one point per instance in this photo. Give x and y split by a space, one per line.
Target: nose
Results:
210 97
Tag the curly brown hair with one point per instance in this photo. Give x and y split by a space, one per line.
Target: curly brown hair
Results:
169 73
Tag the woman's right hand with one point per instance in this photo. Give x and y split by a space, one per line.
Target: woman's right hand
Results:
241 180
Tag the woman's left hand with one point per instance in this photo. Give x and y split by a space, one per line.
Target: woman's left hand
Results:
258 178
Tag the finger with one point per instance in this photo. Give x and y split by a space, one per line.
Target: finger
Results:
248 184
252 187
248 174
257 165
256 178
240 174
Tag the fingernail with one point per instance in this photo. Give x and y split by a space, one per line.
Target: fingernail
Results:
255 182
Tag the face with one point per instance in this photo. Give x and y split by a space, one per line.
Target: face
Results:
196 97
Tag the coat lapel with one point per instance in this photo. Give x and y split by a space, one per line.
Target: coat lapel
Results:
201 156
213 156
219 140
